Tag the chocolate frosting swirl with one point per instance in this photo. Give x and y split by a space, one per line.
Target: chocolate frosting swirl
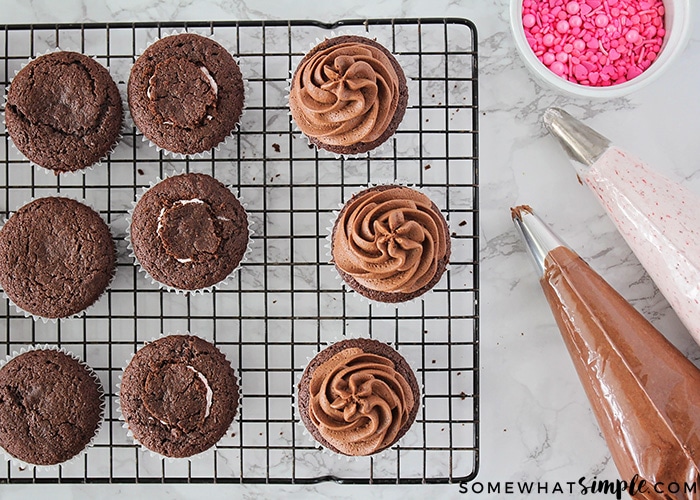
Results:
345 93
359 402
390 239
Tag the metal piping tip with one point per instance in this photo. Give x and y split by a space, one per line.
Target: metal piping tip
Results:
581 143
539 239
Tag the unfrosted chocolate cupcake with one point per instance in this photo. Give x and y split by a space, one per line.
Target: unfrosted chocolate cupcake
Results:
64 111
50 407
178 395
390 243
348 95
358 397
189 232
186 93
57 257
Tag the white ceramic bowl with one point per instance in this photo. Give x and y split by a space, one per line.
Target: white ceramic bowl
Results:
677 25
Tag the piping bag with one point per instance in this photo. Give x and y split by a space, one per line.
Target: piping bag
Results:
644 392
659 219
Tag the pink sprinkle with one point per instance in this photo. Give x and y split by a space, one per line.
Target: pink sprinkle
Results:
633 72
633 35
529 20
558 68
595 42
580 72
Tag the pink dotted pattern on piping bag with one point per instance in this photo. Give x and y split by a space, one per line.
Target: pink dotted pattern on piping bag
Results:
596 43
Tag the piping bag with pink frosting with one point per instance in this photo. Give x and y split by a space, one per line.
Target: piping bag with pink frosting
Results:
644 393
659 219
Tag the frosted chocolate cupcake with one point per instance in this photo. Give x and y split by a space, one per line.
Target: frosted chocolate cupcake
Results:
50 407
348 95
189 232
63 111
358 397
186 93
178 395
390 243
57 257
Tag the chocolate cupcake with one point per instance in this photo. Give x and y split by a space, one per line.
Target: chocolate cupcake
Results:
358 397
390 243
64 112
178 396
57 257
189 232
185 93
348 95
51 407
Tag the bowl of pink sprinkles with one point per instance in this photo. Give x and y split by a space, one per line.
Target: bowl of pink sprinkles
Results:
599 48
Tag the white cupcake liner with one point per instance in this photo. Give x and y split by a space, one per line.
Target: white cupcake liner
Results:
85 169
82 312
351 291
376 151
74 459
169 288
323 448
237 127
232 427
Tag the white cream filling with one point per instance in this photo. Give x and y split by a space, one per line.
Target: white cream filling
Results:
149 92
212 82
210 393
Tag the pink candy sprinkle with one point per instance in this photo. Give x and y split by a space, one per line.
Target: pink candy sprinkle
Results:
595 42
562 26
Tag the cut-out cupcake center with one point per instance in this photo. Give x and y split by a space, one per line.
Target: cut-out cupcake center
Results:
68 104
178 396
188 231
183 93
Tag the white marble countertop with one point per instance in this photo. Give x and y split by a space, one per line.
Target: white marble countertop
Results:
536 424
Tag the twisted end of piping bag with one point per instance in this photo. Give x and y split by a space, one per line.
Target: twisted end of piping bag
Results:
583 144
539 239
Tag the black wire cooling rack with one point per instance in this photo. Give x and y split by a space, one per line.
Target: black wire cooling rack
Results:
286 302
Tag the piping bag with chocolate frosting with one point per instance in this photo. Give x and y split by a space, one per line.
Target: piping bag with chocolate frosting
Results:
644 393
659 219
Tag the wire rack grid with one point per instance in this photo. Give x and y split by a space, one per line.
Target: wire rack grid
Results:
286 302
